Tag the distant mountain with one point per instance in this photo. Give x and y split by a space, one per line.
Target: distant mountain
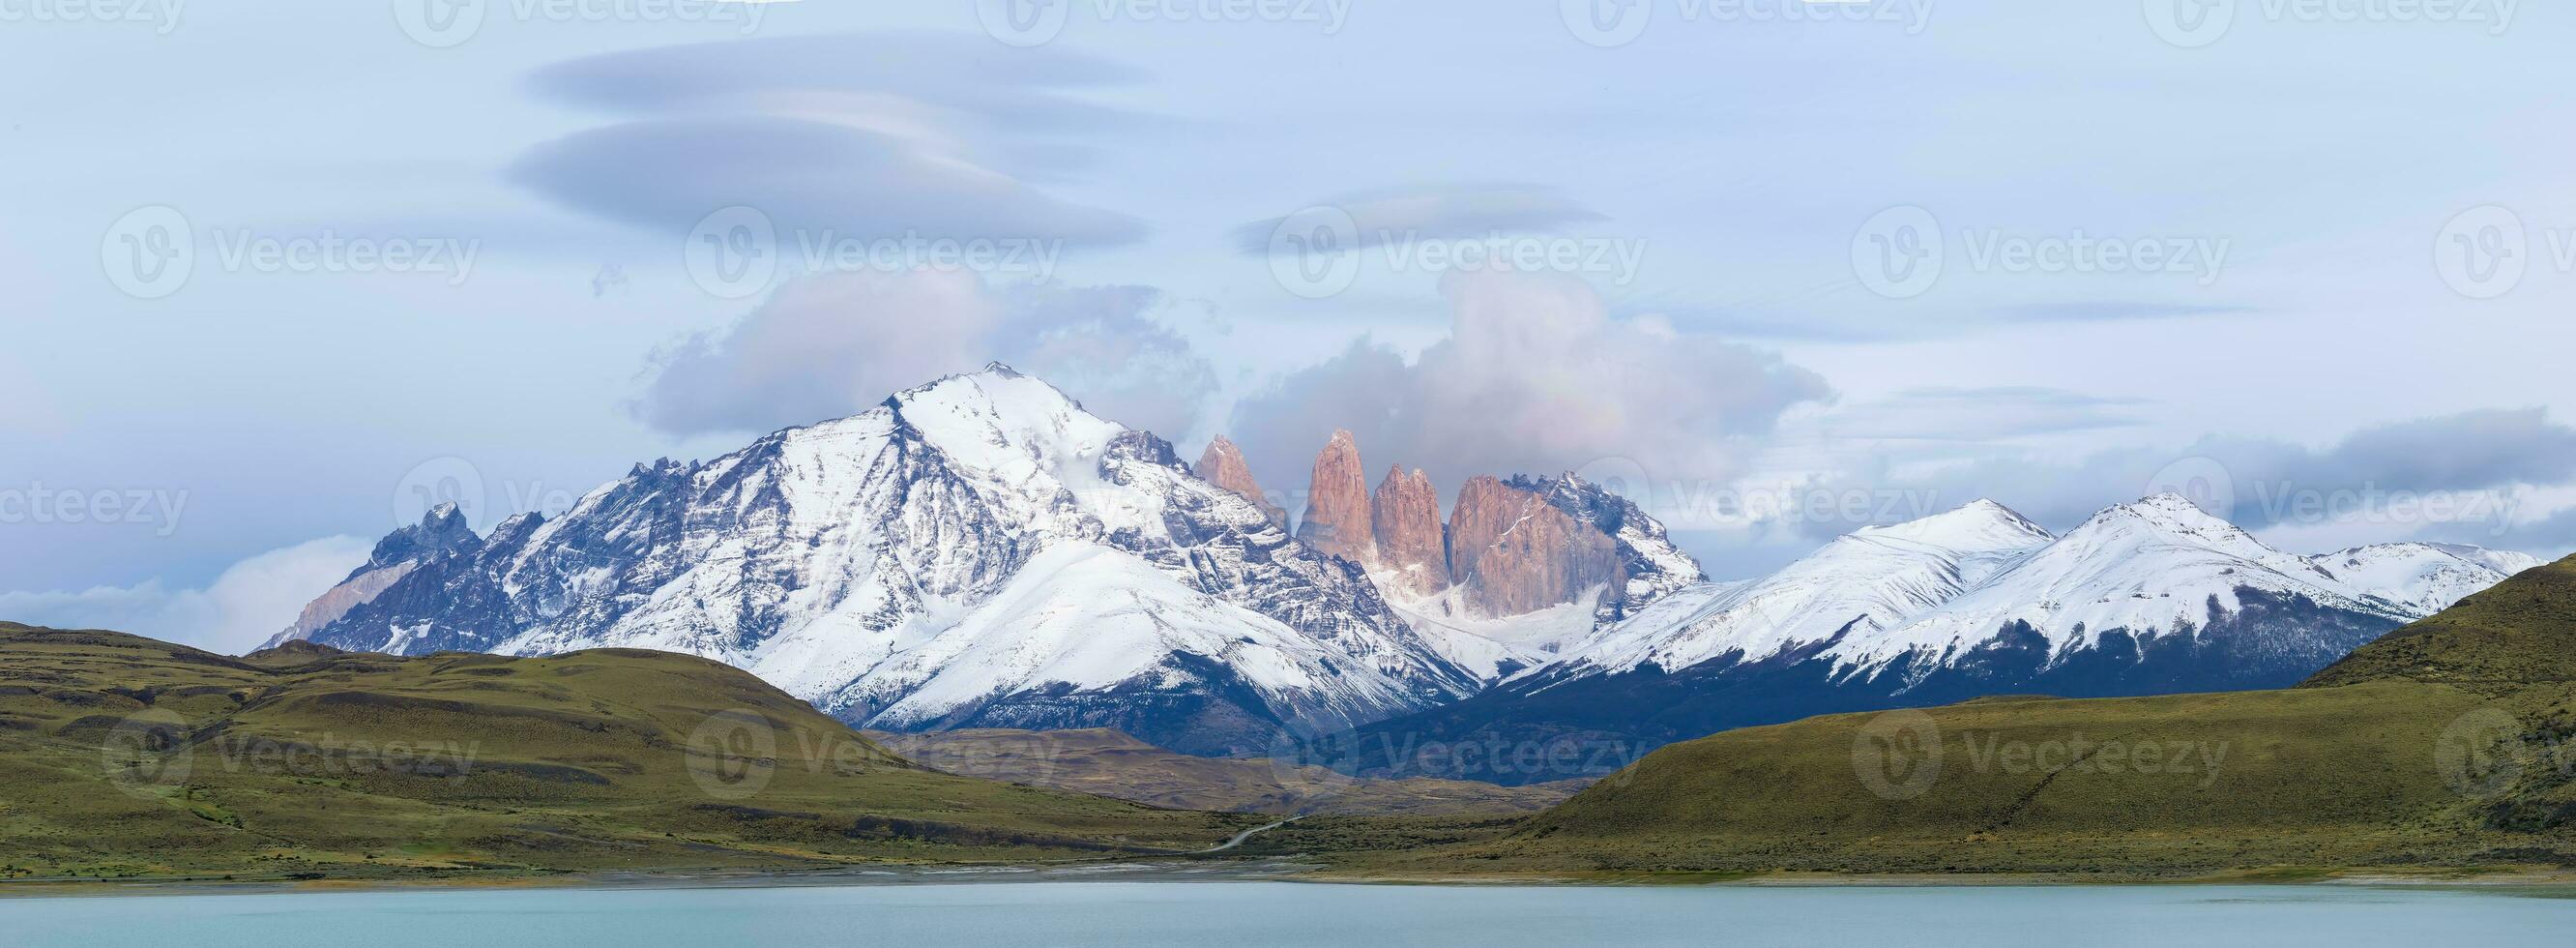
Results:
2438 748
2150 597
978 551
1522 567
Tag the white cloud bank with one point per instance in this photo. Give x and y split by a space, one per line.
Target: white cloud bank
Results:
245 605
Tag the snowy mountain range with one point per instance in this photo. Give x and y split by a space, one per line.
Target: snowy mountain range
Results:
982 552
2149 597
978 551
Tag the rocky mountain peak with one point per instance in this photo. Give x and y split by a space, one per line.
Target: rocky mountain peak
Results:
1337 518
441 533
1412 551
1222 464
1512 552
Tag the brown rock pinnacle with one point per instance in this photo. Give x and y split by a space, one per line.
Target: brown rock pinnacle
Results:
1337 504
1405 520
1514 553
1222 465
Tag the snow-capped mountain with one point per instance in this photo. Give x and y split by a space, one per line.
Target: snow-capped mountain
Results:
1641 565
2149 597
979 551
2421 578
1865 583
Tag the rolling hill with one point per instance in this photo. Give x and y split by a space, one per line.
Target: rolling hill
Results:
126 757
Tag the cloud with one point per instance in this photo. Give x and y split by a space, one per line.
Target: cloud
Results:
1535 376
1980 414
2468 465
2100 311
835 344
856 135
1437 213
1816 316
249 602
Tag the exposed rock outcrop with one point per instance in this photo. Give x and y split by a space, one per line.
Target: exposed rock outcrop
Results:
1404 518
1222 465
1655 567
1512 552
1337 503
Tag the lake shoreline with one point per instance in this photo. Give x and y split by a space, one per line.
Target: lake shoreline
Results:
2531 881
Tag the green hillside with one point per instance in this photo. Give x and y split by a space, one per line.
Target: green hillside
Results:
2519 633
1111 764
126 757
2441 747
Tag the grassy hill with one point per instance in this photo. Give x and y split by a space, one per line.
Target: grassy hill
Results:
1111 764
125 757
2444 745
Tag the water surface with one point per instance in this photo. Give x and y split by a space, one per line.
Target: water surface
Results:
1262 914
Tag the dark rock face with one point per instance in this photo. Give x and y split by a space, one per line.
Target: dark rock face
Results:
1653 565
1222 464
1412 552
1513 553
1337 503
1547 728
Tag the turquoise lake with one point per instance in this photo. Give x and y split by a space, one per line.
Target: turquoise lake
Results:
1257 914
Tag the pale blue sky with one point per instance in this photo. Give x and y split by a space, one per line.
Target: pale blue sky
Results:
1724 168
